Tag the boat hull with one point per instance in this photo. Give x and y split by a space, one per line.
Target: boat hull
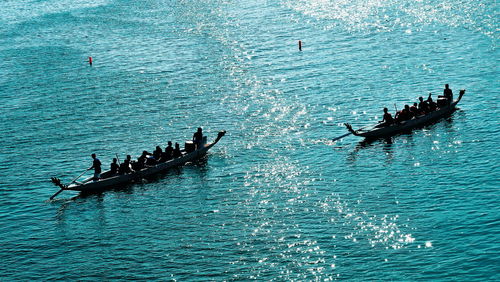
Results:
387 131
90 186
379 131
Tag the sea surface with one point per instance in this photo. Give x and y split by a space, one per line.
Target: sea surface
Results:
276 199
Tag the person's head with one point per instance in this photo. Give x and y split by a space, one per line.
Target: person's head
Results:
93 156
199 129
114 160
385 110
421 99
144 153
170 143
177 145
407 107
158 148
415 104
129 157
446 86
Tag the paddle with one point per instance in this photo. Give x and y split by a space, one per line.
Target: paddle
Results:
58 183
117 158
73 181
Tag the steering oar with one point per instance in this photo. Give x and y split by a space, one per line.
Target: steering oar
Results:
57 182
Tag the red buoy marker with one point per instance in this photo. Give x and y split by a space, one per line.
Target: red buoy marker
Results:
90 60
300 45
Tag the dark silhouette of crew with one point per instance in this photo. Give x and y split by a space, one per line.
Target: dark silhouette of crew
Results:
198 138
387 118
96 165
114 167
125 167
447 93
432 105
177 151
414 110
423 107
168 153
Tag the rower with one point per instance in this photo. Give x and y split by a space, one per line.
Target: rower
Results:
431 103
114 167
409 113
141 161
198 138
157 153
403 115
177 151
96 165
414 109
125 166
167 154
422 106
387 118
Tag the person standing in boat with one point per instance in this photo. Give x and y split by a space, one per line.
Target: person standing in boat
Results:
198 138
447 93
113 169
387 118
96 165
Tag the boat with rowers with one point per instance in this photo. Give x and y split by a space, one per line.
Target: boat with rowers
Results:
382 130
109 179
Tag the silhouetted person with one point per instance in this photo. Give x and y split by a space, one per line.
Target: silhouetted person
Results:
167 154
157 153
177 151
113 169
432 105
198 138
125 166
96 165
414 110
447 93
387 118
423 107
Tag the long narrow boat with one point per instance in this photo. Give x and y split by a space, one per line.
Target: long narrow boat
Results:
380 131
108 180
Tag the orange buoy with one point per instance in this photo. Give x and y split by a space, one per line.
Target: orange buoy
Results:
90 60
300 45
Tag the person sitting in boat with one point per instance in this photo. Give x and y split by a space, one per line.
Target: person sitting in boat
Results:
125 166
403 115
167 154
96 165
432 105
157 153
113 169
447 93
423 107
198 138
141 160
414 110
387 118
177 151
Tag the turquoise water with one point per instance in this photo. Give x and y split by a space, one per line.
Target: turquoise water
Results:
275 199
